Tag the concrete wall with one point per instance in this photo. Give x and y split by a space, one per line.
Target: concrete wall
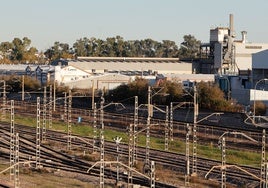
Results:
244 51
260 60
108 81
69 74
259 95
241 96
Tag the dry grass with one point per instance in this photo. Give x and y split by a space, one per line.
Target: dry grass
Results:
34 179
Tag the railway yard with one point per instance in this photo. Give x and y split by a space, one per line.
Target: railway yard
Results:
96 147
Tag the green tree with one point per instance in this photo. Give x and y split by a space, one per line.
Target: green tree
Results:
58 51
171 91
18 51
81 47
170 49
189 47
210 96
30 55
138 87
6 48
167 91
15 83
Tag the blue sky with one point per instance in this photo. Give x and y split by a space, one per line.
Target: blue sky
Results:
47 21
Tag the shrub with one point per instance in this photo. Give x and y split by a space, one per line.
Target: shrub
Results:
260 108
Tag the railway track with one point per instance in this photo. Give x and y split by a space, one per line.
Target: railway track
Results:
173 161
207 134
60 160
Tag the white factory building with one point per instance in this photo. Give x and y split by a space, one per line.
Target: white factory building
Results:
110 72
237 63
129 65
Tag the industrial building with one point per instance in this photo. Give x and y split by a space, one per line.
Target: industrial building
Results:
236 64
110 72
225 55
135 66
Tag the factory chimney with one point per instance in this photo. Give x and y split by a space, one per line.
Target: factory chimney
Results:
231 25
244 34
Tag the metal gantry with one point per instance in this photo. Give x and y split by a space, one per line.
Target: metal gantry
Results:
150 113
152 185
65 108
50 107
38 139
95 128
166 129
4 102
224 166
22 88
194 167
117 142
69 122
12 142
147 152
101 143
266 174
130 154
17 166
171 121
135 126
223 163
263 184
44 125
187 156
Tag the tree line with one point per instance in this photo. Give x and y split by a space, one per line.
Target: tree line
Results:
210 96
21 51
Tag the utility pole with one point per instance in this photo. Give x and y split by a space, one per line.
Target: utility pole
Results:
187 156
117 142
22 88
12 142
147 160
95 129
166 130
50 108
69 123
4 101
171 121
263 184
194 170
38 143
152 174
130 154
17 166
223 163
65 108
136 121
54 96
44 127
93 95
101 144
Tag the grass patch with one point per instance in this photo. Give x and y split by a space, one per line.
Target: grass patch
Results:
178 146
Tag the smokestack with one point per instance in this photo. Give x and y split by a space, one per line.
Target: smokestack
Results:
244 34
231 25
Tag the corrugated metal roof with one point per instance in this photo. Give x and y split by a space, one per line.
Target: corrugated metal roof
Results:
123 60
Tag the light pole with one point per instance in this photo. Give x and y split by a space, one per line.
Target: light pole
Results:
254 104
